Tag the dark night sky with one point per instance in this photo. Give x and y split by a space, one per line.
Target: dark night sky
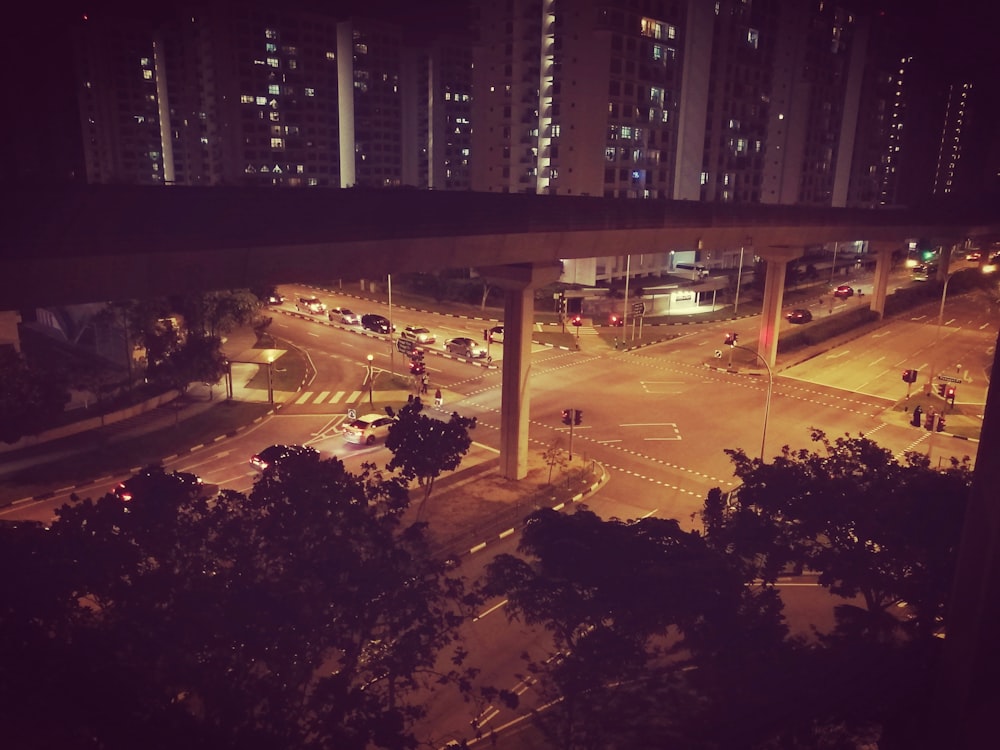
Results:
41 114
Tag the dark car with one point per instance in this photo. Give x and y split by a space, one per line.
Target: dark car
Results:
376 323
843 291
798 316
156 480
274 455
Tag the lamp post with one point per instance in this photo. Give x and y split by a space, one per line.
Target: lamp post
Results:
767 402
371 381
940 321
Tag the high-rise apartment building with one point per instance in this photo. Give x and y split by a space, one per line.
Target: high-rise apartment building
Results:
250 94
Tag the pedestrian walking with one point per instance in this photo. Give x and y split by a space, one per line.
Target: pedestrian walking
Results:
424 382
438 399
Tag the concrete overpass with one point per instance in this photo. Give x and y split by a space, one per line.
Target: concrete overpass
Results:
74 245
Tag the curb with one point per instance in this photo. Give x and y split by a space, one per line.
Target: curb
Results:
598 483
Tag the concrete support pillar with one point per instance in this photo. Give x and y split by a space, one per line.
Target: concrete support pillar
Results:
518 283
774 290
880 285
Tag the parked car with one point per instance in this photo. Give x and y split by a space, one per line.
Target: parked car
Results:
496 334
344 315
274 455
153 477
310 304
465 347
377 323
843 291
418 335
367 429
798 316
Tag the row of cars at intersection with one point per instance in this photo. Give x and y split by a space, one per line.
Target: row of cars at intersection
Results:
409 338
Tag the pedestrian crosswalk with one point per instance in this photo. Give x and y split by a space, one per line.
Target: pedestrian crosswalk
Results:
326 397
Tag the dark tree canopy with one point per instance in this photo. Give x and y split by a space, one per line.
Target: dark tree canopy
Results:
29 397
423 447
302 615
872 527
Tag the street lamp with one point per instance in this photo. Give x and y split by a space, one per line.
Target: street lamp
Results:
770 384
371 381
940 322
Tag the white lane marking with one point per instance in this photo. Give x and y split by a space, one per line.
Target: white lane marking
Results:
321 397
304 397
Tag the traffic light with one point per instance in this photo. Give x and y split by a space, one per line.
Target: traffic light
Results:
732 338
909 376
941 389
940 423
929 420
917 411
486 334
567 416
949 394
577 416
577 320
416 367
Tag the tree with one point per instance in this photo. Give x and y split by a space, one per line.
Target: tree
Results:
198 359
627 604
216 313
872 527
555 455
423 447
303 615
29 398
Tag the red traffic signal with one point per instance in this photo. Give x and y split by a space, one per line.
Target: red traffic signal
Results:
949 393
909 376
940 424
567 416
577 320
732 338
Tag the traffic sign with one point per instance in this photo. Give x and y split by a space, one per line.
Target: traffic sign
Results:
351 414
950 379
638 308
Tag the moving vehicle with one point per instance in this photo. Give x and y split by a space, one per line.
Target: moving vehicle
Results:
376 323
496 334
344 315
311 304
274 455
798 316
843 291
418 334
367 429
154 479
465 347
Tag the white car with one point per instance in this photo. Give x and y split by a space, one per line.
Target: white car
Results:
311 304
496 334
418 335
367 429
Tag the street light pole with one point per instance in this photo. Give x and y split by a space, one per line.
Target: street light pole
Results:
767 402
371 381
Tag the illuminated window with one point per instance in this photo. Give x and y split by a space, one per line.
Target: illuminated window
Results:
626 131
361 48
246 99
609 153
262 100
270 33
704 178
277 143
272 62
271 47
331 56
310 91
656 95
273 89
753 38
